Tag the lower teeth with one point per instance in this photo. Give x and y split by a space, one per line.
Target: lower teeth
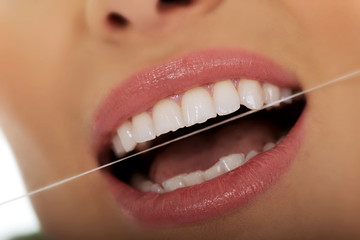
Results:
160 172
224 165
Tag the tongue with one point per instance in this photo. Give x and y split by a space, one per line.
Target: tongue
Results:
203 150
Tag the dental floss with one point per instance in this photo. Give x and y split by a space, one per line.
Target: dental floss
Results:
50 186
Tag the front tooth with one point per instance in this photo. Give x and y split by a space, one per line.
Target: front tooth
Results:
251 94
271 93
126 136
143 129
173 183
268 146
167 117
194 178
197 106
225 97
214 171
251 154
117 146
232 161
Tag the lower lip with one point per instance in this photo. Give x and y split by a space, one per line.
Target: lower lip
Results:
212 198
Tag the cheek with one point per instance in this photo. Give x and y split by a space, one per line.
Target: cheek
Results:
35 50
332 33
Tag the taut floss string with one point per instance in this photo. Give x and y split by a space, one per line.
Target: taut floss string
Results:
50 186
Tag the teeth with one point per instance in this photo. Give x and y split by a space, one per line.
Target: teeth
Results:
251 154
197 106
225 97
145 186
141 183
194 178
143 129
167 117
117 146
224 165
251 94
268 146
156 188
232 161
173 183
285 92
271 93
142 146
214 171
126 136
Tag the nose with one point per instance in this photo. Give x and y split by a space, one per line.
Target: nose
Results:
114 19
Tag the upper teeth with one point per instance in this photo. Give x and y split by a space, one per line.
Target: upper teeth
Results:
168 113
197 105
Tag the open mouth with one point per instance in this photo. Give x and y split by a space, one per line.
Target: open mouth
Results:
207 155
246 155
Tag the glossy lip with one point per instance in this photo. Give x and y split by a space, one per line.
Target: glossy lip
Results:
219 195
214 197
142 90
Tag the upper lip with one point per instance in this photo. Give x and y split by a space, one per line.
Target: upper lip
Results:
143 89
219 195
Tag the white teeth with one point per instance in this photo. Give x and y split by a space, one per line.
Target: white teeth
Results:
251 154
271 93
126 136
251 94
167 117
143 129
268 146
194 178
117 145
156 188
197 106
232 161
149 186
224 165
225 97
140 182
214 171
173 183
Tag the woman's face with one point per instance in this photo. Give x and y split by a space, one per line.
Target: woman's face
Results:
61 59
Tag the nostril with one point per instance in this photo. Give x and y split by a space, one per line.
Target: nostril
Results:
166 4
117 21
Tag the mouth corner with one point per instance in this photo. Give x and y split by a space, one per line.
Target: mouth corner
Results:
177 173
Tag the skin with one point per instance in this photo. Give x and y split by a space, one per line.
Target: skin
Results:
59 60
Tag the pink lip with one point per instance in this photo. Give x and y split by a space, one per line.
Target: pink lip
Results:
217 196
143 89
212 198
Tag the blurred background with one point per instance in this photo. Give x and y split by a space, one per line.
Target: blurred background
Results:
16 218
